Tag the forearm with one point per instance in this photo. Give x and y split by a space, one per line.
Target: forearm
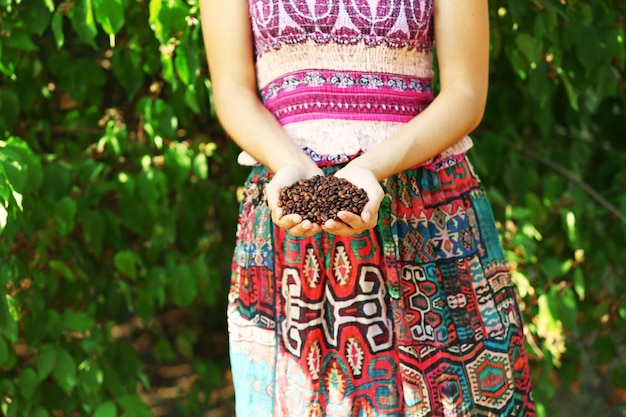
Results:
230 55
452 115
462 37
255 129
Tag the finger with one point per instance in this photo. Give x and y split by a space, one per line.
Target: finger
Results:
338 228
289 221
312 231
353 220
277 214
271 195
302 228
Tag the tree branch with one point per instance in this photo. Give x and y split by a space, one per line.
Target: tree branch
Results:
572 177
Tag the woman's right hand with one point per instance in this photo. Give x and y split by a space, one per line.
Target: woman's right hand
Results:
284 177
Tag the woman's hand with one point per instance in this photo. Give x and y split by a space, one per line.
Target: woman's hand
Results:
351 223
284 177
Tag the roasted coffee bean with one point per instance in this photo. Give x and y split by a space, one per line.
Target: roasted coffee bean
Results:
320 198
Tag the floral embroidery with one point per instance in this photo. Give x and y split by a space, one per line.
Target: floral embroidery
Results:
396 23
344 79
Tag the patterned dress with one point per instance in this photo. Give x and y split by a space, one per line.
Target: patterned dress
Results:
417 317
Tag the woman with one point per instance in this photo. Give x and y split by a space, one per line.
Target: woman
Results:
408 308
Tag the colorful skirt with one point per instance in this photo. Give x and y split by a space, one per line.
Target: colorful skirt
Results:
417 317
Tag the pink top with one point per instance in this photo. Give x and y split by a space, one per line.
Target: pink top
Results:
343 75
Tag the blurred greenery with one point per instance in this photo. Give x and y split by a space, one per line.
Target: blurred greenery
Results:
118 200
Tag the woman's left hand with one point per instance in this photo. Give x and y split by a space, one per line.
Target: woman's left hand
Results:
351 224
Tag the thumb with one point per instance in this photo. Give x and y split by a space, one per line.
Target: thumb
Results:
271 195
366 216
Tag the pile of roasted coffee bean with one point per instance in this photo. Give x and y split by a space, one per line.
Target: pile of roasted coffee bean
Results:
320 198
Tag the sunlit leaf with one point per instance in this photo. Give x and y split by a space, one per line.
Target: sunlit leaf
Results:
126 263
110 15
106 409
57 29
81 16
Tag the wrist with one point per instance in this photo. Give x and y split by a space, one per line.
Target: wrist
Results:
366 162
295 158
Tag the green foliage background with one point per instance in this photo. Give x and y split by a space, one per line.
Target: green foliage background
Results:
118 194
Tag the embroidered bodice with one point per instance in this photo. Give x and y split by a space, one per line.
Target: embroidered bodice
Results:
342 75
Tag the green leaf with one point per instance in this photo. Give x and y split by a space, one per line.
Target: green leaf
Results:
78 322
41 412
163 351
27 383
9 109
110 15
57 181
91 375
552 268
567 309
4 352
538 211
11 409
183 286
64 214
126 263
201 167
45 361
55 324
167 120
6 318
57 28
569 218
12 308
65 371
18 150
127 293
4 217
167 18
168 71
569 88
157 279
20 40
62 268
148 190
184 343
579 283
178 164
187 64
588 50
191 99
81 16
106 409
621 309
134 407
127 68
155 23
94 229
547 317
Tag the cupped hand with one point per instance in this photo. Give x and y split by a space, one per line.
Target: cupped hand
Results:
350 224
284 177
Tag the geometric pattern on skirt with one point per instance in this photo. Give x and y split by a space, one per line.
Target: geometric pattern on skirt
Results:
417 317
